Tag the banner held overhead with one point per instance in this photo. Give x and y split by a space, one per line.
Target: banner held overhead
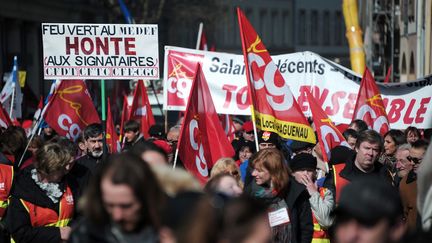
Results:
100 51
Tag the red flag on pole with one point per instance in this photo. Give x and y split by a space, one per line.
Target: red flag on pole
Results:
369 106
328 134
141 109
70 109
387 77
112 139
228 126
274 106
5 120
202 139
124 116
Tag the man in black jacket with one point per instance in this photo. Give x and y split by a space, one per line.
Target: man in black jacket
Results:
93 137
368 147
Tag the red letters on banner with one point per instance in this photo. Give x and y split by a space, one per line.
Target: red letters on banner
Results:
100 45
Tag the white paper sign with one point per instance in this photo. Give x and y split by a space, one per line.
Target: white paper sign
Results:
100 51
278 217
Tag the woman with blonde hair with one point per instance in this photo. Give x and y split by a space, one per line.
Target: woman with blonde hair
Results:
226 165
290 215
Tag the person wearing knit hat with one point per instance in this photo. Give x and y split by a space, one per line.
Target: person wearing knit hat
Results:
267 140
303 167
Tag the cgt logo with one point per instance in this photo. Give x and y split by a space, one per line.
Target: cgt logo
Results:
280 98
72 129
200 160
365 112
179 82
330 130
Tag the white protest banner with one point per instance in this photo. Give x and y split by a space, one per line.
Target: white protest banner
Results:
334 87
100 51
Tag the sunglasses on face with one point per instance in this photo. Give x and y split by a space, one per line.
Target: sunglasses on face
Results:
414 160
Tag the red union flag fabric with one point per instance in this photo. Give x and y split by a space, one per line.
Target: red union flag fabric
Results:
125 115
202 139
369 106
274 106
228 126
5 120
141 109
112 139
70 109
328 134
180 73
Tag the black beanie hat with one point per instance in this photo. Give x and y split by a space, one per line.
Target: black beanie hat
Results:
303 161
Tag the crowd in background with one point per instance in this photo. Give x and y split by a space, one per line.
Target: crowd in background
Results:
376 190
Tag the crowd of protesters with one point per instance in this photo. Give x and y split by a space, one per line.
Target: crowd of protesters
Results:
379 189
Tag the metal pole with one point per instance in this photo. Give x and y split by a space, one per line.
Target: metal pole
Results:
12 99
201 25
103 101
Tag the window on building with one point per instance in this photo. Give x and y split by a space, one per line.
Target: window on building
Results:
403 68
302 27
326 28
286 24
412 64
314 28
338 28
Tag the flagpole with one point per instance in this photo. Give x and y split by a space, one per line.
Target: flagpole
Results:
103 100
248 77
166 121
175 158
200 29
12 99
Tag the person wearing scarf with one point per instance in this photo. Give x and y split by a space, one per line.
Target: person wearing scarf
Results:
289 211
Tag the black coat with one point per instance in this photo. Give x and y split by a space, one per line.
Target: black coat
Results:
352 173
300 213
17 218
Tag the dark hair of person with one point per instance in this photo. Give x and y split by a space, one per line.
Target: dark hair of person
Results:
126 169
350 133
143 146
414 130
242 145
80 138
131 126
219 219
92 131
370 136
211 186
420 144
360 124
13 140
397 135
273 161
71 148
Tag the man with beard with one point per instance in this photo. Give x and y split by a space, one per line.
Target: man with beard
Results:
93 139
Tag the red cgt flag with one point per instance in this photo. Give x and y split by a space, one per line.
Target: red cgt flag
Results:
70 109
202 139
112 139
5 120
124 116
369 106
328 134
274 106
141 109
228 126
